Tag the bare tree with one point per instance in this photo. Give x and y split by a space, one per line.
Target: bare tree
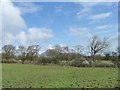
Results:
78 49
8 51
61 49
65 49
28 53
58 48
96 45
32 51
22 53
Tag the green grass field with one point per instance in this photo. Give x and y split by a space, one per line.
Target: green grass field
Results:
51 76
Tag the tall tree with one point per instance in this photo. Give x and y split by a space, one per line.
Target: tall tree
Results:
32 52
22 53
96 45
58 48
8 51
29 53
78 49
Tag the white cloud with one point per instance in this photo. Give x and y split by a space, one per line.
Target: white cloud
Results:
86 9
35 35
81 32
107 29
59 9
50 46
98 17
89 4
22 37
102 27
29 7
82 13
12 19
15 29
12 22
102 32
8 38
41 33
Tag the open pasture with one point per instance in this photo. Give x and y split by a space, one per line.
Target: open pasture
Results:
53 76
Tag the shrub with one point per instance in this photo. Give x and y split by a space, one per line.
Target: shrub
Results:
9 61
65 63
47 60
116 62
104 64
80 62
76 63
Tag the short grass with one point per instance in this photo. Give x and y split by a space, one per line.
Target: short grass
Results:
51 76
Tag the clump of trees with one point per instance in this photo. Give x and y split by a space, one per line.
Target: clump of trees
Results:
64 55
11 54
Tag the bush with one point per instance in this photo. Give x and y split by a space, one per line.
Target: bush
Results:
9 61
104 64
76 63
116 62
47 60
65 63
80 62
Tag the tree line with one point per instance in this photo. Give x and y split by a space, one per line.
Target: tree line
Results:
63 55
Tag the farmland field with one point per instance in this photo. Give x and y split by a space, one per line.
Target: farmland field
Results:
53 76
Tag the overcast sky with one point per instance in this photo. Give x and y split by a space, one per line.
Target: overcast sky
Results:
65 23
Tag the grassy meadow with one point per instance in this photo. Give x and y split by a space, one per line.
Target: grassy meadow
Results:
53 76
